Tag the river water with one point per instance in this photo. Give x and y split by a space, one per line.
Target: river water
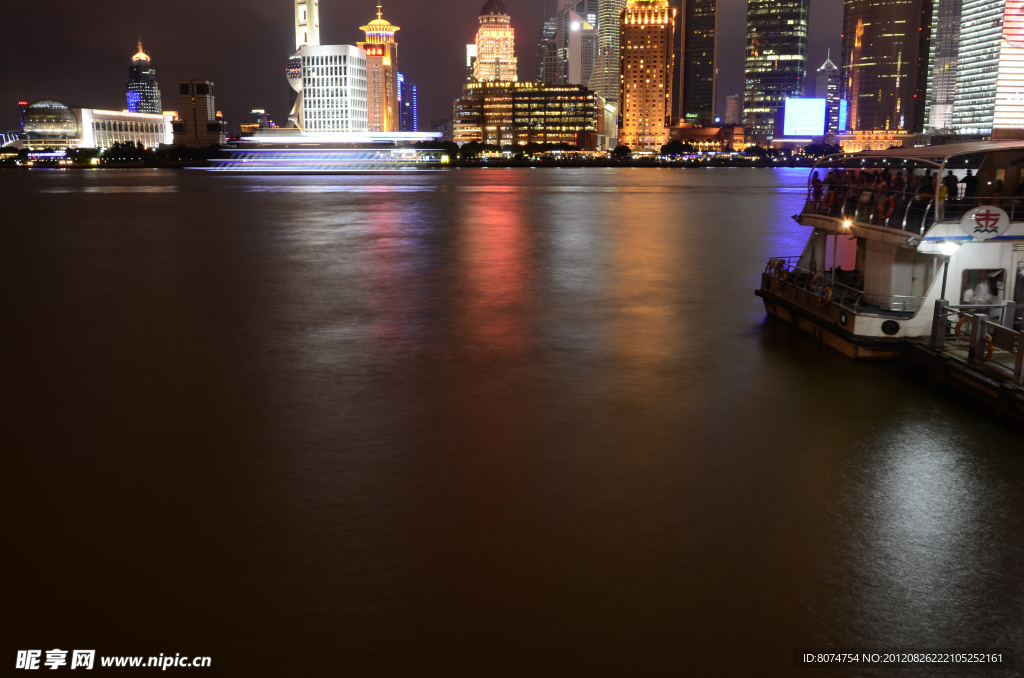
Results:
476 422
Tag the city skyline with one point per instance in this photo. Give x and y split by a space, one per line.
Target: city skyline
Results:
84 60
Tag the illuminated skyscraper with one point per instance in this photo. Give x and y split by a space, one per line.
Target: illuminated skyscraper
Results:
884 68
495 45
142 90
990 68
605 79
826 86
197 123
307 23
547 52
699 61
734 109
776 61
408 104
942 58
646 35
381 75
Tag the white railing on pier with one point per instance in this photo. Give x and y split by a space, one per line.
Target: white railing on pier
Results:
988 333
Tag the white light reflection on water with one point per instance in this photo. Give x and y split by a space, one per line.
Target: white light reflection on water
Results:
924 532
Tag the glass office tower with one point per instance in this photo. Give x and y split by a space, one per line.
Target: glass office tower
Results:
776 62
990 67
142 91
699 61
885 63
942 57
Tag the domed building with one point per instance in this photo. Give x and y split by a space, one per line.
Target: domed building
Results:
50 120
495 45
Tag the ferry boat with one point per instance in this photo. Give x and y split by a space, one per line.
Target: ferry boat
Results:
900 237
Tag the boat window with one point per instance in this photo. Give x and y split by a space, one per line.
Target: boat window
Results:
983 286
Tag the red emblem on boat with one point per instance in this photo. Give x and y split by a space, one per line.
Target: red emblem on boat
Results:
986 222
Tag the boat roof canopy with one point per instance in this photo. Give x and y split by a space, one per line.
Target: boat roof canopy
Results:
943 151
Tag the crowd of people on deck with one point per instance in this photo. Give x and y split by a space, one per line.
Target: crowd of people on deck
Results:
876 195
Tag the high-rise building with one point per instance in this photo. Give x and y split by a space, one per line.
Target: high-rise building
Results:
408 105
990 68
884 68
197 123
142 90
826 86
646 36
942 56
576 41
699 26
547 51
495 45
605 79
330 81
734 109
470 62
307 23
776 62
381 75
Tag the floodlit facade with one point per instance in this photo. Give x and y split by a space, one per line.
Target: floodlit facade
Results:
884 68
942 58
331 84
102 129
517 113
990 68
142 91
646 35
382 109
495 45
775 65
699 26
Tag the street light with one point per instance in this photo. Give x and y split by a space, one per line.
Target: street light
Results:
948 248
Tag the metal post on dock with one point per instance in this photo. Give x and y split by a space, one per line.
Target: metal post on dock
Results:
940 325
979 325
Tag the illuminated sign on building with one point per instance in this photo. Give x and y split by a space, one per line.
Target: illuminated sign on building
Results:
843 107
374 51
1013 23
804 118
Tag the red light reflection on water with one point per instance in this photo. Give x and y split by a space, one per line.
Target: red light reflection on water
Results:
495 255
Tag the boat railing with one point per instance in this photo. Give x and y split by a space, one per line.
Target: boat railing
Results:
845 296
900 210
989 333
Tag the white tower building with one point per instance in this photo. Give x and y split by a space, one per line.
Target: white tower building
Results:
307 23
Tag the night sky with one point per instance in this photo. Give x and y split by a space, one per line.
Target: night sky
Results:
78 52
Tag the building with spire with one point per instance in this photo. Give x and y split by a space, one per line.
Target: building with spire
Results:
646 67
775 64
142 90
826 86
495 45
382 96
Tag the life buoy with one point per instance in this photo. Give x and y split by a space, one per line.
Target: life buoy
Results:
886 209
828 200
991 347
825 297
780 276
958 328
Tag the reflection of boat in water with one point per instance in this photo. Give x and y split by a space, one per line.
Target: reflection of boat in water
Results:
909 243
293 152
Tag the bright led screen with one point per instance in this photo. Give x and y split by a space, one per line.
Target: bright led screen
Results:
842 115
804 118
